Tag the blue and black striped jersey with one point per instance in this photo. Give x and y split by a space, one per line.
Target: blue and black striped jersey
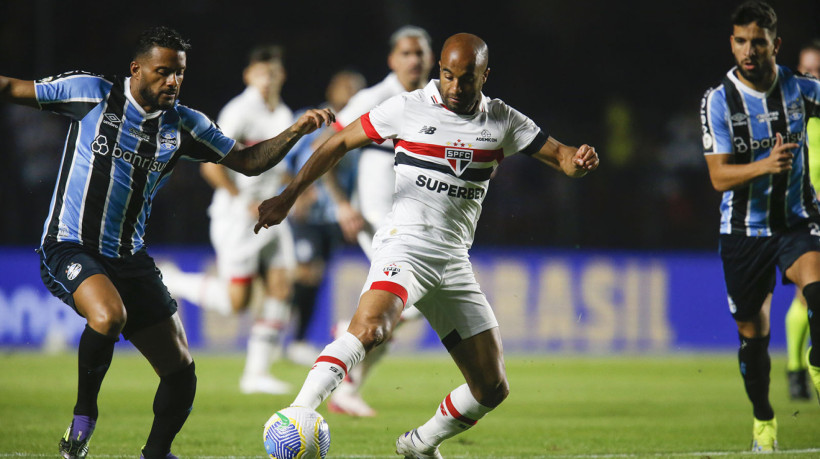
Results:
742 122
116 157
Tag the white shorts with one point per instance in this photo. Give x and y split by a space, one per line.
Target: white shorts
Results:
438 280
241 254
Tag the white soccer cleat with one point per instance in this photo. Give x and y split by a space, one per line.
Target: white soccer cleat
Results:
265 384
349 402
410 445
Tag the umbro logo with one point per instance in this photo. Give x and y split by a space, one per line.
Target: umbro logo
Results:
112 120
429 130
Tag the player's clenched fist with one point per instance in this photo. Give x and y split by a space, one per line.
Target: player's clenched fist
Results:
586 158
272 211
314 119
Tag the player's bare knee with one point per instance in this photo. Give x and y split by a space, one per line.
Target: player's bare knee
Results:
107 320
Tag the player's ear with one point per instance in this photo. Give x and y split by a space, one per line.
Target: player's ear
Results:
486 74
135 68
777 42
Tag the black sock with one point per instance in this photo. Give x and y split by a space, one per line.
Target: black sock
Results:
93 359
812 294
304 298
172 404
755 366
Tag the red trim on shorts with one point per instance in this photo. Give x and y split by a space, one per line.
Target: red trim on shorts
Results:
391 287
333 361
369 130
242 280
454 412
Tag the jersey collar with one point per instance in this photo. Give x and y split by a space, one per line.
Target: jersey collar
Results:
432 93
137 106
753 92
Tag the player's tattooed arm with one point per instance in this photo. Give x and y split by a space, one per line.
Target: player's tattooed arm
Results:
272 211
572 161
260 157
18 91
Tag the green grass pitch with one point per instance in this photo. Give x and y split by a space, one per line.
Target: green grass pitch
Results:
690 405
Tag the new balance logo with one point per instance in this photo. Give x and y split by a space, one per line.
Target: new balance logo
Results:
429 130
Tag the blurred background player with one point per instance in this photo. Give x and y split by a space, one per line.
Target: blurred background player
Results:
254 115
754 142
315 226
797 319
410 61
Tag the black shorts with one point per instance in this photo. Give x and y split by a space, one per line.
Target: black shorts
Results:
749 264
316 241
65 265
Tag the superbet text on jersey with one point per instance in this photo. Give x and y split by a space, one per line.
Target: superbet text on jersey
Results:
443 161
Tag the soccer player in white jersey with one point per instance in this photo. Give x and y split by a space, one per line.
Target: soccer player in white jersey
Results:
410 61
448 139
252 116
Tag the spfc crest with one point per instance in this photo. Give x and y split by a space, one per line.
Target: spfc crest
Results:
458 158
391 270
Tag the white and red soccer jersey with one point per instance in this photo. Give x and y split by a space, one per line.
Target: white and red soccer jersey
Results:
364 100
443 160
248 120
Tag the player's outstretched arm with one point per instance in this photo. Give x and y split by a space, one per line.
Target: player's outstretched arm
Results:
726 176
260 157
272 211
574 162
18 91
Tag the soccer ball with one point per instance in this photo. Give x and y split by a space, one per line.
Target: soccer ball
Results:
296 433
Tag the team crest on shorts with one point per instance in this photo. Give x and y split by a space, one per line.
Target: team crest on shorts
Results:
391 270
73 270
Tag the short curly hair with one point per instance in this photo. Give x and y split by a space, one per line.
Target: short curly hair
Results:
164 37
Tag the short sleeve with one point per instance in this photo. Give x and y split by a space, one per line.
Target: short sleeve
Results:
810 89
522 135
384 121
717 137
231 119
72 94
208 142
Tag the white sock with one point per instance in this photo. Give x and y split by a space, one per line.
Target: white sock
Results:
265 340
458 412
207 292
336 359
357 375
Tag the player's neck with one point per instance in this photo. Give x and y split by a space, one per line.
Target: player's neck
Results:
410 86
760 86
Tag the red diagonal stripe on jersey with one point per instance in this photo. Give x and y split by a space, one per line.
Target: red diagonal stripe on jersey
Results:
437 151
454 412
332 361
369 130
391 287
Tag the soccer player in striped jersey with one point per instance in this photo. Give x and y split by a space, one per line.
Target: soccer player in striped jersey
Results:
448 140
797 319
754 140
126 136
